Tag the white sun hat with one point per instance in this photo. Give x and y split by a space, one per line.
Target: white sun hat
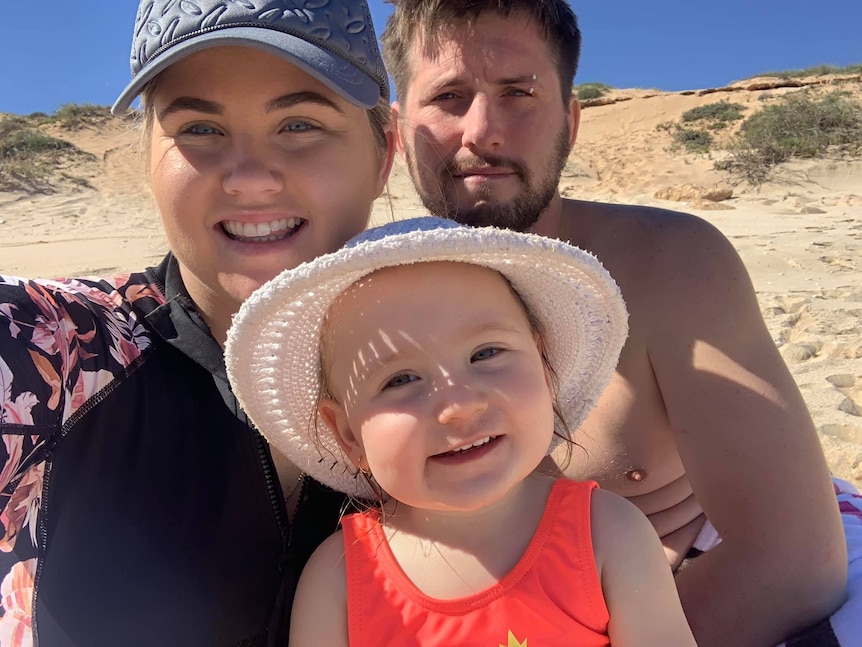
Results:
273 347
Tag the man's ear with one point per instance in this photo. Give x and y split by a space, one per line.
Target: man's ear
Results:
335 418
574 120
396 123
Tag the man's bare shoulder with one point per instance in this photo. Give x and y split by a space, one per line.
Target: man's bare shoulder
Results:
659 258
642 245
605 225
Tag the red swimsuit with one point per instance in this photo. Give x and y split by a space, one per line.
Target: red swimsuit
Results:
552 598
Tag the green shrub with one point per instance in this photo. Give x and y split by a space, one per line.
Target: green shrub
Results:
11 125
806 127
30 160
585 94
817 70
797 126
587 91
29 143
723 111
75 116
692 140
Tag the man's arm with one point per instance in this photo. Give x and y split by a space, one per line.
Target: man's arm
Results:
749 448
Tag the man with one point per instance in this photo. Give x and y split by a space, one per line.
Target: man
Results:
702 419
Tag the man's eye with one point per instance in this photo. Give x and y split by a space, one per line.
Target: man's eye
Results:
400 380
485 353
445 96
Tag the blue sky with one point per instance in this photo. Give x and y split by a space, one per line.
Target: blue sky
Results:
76 51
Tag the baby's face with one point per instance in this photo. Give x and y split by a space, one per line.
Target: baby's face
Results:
438 384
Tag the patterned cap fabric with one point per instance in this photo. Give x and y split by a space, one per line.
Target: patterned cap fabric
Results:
332 40
273 347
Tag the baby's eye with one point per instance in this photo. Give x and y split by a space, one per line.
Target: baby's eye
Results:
485 353
400 380
201 129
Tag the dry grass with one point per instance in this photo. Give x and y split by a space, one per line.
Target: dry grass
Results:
33 162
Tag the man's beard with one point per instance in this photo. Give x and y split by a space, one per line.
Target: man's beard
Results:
519 214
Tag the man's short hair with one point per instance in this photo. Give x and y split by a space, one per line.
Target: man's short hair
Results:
430 19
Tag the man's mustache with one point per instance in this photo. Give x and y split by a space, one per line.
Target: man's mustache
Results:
462 165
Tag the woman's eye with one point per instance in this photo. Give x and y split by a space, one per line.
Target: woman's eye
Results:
201 129
400 380
299 126
485 353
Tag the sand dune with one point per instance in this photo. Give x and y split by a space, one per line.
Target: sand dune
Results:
799 235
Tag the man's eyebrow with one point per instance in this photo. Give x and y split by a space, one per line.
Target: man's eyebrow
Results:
447 81
457 80
515 80
296 98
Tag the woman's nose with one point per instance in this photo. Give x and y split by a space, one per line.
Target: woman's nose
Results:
252 171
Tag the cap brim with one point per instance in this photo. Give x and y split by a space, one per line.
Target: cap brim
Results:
337 74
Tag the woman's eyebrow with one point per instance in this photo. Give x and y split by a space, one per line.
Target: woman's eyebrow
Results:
296 98
191 103
283 102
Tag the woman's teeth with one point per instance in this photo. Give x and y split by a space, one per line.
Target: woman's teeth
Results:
261 231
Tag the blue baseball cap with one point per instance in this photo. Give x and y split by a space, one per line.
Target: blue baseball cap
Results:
332 40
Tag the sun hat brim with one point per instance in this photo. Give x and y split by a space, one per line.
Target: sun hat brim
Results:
272 351
337 74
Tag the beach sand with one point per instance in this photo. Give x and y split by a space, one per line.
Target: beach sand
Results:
799 235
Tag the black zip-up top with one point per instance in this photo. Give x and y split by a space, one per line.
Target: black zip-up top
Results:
137 504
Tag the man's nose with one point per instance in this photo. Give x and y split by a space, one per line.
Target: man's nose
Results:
482 125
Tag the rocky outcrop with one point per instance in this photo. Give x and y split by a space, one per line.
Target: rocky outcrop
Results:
695 193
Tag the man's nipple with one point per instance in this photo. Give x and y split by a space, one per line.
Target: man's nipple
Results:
636 475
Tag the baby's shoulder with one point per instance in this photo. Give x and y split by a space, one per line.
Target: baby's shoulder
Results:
325 574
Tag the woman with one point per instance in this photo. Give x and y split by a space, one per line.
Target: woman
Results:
139 506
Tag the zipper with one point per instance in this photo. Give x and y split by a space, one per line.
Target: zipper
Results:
82 411
278 508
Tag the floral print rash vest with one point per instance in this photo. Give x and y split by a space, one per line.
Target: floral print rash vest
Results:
137 504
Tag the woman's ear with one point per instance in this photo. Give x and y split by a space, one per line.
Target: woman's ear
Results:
335 418
387 157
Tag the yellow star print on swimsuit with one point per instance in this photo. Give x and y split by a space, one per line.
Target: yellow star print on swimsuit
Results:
514 642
